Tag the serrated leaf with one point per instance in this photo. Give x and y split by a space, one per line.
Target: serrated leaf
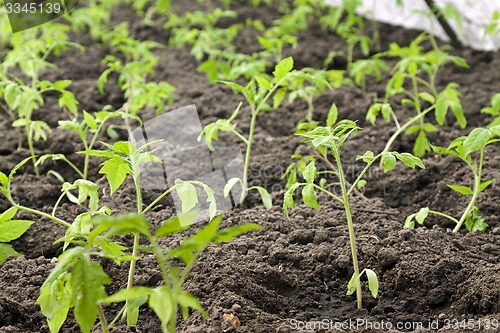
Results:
87 281
367 157
421 145
309 172
116 171
427 97
55 301
160 300
309 196
283 68
372 282
135 298
388 161
333 114
465 190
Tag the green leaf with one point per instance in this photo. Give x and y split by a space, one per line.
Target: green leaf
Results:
474 222
476 140
351 285
427 97
388 161
226 235
465 190
8 214
484 185
135 298
278 97
6 250
160 300
55 301
87 281
421 145
116 171
173 225
309 173
309 196
230 184
89 120
410 160
13 229
367 157
288 201
422 215
372 282
409 223
263 82
333 114
4 180
187 194
266 197
189 301
283 68
10 94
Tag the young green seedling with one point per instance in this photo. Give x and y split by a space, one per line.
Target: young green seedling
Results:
465 148
328 141
133 73
88 130
78 282
123 159
258 92
412 64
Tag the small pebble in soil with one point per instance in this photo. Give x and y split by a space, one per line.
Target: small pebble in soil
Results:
236 307
388 257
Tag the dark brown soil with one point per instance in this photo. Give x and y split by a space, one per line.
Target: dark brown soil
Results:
298 268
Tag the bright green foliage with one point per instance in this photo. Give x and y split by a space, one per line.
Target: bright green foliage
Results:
494 110
9 230
24 98
77 282
465 148
327 142
414 77
493 29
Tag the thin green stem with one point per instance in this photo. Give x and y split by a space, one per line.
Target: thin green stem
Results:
361 174
327 192
102 320
135 247
443 215
164 194
405 126
476 191
247 156
42 214
350 225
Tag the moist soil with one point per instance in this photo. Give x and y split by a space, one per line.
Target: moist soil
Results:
296 270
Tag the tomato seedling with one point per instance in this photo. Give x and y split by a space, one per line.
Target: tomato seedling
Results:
328 141
465 148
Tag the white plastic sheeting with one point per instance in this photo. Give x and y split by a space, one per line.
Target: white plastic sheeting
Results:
476 15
